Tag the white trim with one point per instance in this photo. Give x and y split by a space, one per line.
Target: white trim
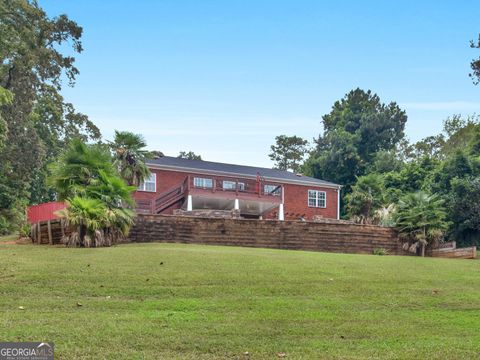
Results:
245 176
281 215
189 203
203 182
142 184
316 199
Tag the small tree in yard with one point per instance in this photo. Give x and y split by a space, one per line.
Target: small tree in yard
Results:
96 224
98 199
77 167
366 199
87 216
420 219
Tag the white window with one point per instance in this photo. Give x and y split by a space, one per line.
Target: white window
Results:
150 184
232 185
272 189
317 198
203 182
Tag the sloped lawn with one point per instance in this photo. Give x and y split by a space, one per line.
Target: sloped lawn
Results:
174 301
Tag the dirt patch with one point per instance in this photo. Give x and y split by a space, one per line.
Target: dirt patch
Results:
19 241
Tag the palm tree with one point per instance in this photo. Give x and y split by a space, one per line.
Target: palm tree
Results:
130 155
366 198
93 224
111 189
85 216
96 196
77 167
384 215
420 218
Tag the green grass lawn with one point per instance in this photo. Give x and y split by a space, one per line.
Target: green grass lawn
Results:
7 239
174 301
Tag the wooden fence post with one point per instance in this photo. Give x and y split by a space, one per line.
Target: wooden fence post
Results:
49 228
62 224
39 233
33 235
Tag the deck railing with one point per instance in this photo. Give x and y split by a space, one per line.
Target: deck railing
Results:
212 184
236 185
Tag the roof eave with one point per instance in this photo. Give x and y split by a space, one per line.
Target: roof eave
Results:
226 173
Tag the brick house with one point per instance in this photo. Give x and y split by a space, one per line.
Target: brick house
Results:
256 192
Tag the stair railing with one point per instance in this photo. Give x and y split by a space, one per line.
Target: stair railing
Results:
170 196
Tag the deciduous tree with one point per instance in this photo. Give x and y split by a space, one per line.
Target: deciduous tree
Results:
32 66
475 63
464 211
357 127
190 155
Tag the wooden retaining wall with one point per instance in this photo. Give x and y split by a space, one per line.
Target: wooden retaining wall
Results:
298 235
47 232
449 250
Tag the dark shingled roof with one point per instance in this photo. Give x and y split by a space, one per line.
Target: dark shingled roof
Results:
226 169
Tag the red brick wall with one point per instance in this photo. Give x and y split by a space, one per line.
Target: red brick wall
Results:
166 180
296 203
295 196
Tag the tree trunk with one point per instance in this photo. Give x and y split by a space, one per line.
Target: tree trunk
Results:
424 239
82 231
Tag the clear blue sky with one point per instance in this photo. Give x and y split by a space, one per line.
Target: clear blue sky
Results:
223 78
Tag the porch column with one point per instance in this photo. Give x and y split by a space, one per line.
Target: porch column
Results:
281 216
236 205
189 203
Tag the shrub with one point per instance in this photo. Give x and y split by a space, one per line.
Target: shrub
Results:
4 226
420 219
380 251
24 230
12 219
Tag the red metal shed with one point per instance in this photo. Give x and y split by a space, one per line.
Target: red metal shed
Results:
43 212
